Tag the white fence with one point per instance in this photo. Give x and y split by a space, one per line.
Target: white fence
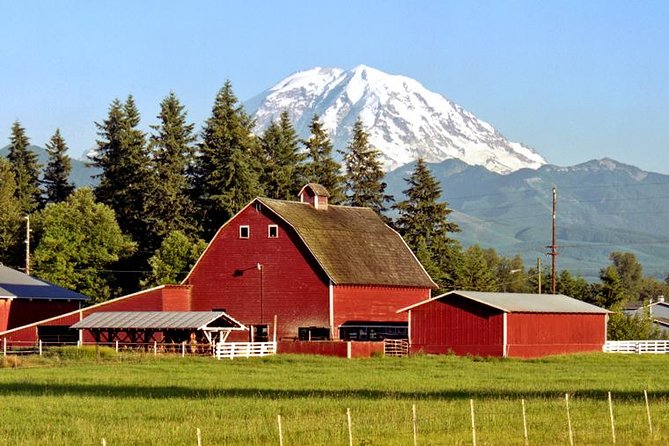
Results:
395 347
244 349
636 347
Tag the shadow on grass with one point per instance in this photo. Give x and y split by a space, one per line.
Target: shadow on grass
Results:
166 392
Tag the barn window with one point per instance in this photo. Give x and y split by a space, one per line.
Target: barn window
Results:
244 232
313 334
272 231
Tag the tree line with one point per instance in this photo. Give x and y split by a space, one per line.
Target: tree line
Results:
161 194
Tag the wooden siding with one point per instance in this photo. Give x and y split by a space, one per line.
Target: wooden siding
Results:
540 334
290 285
459 326
373 303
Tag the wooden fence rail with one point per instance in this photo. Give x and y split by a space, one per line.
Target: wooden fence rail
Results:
636 347
233 350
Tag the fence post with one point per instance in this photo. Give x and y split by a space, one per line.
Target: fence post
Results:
415 432
278 417
4 346
183 348
348 349
39 343
527 441
613 426
199 437
104 442
471 407
571 434
650 424
350 427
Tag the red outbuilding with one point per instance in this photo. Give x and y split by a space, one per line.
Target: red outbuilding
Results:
320 271
505 324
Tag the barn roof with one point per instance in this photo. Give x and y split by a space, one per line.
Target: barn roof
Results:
17 285
352 244
521 302
187 320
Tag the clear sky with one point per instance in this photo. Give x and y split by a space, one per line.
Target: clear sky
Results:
575 80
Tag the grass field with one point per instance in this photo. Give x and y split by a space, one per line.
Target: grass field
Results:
74 399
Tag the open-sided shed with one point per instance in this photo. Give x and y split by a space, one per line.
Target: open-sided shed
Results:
505 324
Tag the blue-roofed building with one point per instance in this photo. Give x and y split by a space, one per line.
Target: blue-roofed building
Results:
25 299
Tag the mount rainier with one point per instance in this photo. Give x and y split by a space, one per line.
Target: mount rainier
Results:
405 121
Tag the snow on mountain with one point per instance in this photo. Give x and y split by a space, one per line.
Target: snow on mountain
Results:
404 119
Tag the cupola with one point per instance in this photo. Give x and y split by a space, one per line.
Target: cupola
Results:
314 194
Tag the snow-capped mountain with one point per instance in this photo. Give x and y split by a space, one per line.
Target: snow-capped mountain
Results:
404 119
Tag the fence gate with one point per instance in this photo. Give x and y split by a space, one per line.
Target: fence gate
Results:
244 349
395 347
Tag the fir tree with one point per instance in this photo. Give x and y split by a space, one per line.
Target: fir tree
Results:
321 167
56 175
123 158
10 217
475 274
25 168
168 207
226 168
283 174
423 219
364 174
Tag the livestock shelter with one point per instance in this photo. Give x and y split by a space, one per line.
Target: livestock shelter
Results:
25 299
505 324
304 270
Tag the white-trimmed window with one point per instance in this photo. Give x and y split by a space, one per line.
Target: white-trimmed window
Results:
244 231
272 231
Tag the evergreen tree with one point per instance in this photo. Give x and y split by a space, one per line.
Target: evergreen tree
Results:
57 173
80 240
321 167
10 217
226 168
364 182
25 168
123 158
168 206
475 274
283 174
611 293
423 219
175 257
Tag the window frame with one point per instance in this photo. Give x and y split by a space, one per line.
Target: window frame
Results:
269 231
248 232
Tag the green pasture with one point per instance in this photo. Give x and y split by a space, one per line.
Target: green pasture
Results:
74 398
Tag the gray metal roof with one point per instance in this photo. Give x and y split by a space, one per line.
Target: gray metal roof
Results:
190 320
17 285
522 302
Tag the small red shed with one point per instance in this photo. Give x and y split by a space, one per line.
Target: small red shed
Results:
505 324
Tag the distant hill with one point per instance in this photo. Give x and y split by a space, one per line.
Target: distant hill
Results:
81 175
602 206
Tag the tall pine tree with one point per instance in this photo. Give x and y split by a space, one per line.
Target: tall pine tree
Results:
424 225
168 206
321 167
122 156
283 169
57 185
25 168
227 166
364 174
10 218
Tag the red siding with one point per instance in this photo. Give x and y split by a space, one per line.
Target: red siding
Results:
289 286
25 311
373 303
459 326
155 299
540 334
5 305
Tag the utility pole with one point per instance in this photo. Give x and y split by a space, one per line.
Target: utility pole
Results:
553 246
27 244
539 273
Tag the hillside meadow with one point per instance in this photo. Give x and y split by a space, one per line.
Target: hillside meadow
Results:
72 397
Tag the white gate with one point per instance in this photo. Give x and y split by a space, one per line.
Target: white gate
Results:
395 347
636 347
233 350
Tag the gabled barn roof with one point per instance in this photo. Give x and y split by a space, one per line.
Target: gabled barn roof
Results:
17 285
521 302
352 244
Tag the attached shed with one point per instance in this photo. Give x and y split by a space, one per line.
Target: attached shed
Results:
505 324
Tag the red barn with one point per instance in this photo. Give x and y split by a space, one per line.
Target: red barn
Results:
505 324
25 299
324 271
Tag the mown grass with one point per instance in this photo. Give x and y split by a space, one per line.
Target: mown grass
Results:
74 398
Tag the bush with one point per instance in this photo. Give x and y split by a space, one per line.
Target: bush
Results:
79 353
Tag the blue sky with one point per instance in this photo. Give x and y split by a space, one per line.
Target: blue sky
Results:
575 80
